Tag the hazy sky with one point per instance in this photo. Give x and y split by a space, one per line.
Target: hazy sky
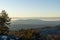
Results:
31 8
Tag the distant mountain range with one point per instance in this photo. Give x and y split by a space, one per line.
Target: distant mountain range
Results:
36 17
32 23
35 21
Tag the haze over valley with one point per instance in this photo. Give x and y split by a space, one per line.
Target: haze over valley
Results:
28 23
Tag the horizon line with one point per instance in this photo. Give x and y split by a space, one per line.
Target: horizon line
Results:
38 17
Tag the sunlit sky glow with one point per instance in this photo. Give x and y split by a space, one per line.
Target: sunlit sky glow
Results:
31 8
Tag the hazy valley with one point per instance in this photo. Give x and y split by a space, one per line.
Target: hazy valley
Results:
33 23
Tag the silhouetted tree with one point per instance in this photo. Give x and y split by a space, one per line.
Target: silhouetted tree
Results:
4 22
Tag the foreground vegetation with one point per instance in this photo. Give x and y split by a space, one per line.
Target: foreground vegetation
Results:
46 33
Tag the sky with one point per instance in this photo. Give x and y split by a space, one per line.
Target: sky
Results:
31 8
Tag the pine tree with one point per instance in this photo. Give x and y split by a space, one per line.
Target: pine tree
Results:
4 22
